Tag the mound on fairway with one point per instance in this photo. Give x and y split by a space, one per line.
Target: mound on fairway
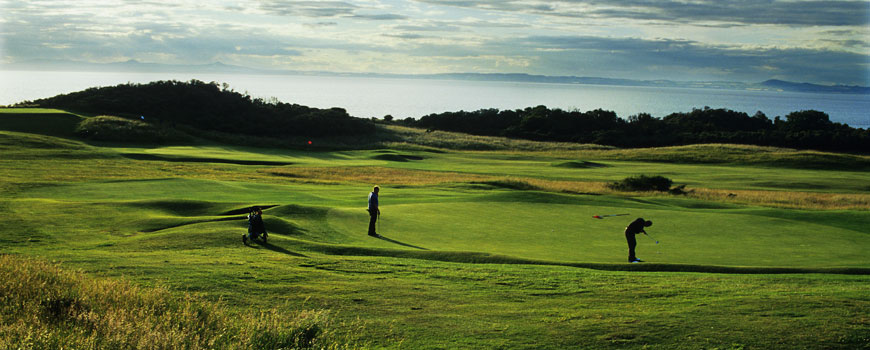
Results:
397 157
573 164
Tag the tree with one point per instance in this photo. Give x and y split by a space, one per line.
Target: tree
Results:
809 120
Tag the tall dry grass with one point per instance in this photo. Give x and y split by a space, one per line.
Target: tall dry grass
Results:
45 307
409 177
784 199
401 137
379 175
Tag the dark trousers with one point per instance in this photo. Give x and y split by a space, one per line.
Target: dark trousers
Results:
632 242
372 221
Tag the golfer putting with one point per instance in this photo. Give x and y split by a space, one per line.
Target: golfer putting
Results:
635 227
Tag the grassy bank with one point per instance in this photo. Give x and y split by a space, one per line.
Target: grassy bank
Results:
45 306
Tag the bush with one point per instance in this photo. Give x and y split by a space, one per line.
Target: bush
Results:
642 183
116 129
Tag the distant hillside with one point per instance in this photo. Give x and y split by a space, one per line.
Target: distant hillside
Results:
218 67
806 87
770 85
208 106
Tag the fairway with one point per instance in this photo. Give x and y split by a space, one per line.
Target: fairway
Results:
478 249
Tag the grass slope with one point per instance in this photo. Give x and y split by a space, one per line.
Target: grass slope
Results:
55 308
480 250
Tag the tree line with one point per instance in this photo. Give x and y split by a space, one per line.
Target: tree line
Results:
807 129
209 106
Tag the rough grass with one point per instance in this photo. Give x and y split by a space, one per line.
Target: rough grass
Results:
375 175
39 121
404 136
412 177
44 306
724 154
785 199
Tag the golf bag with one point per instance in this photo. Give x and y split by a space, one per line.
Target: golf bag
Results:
256 228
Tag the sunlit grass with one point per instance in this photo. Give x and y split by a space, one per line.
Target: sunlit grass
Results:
716 154
46 307
405 137
786 199
376 175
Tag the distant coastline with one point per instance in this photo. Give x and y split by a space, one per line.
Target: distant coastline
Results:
218 67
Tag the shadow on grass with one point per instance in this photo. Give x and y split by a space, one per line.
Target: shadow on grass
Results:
275 248
137 156
487 258
399 243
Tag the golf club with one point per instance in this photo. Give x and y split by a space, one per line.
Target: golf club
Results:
650 237
604 216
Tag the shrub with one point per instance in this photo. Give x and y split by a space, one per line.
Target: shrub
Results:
642 183
116 129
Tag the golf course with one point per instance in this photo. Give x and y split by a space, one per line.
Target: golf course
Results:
485 243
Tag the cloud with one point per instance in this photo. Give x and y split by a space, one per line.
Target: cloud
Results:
323 9
308 8
427 27
686 59
747 12
321 24
800 40
381 17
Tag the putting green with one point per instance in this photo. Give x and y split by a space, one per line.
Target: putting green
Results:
522 224
568 233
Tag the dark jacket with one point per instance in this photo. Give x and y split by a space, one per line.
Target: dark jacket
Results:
635 227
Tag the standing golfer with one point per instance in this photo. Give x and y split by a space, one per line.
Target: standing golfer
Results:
632 229
374 212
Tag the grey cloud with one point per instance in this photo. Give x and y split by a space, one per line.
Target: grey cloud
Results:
194 45
793 13
321 24
801 13
406 36
679 58
856 44
381 17
430 27
308 8
203 48
453 26
322 9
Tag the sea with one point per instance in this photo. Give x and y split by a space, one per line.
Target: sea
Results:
402 98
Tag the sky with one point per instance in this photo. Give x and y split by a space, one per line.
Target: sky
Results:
816 41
